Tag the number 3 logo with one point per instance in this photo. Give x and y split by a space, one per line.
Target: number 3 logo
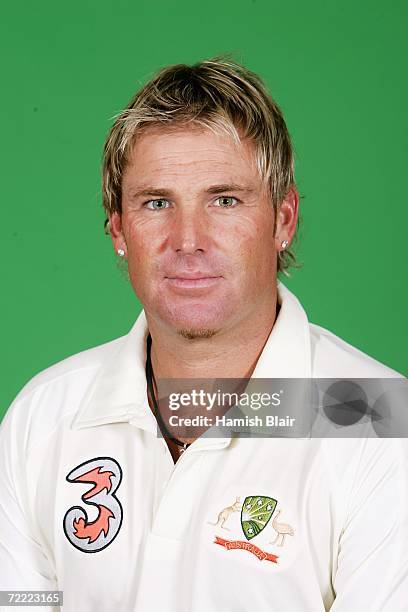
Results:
105 474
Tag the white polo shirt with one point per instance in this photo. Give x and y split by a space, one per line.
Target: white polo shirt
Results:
92 504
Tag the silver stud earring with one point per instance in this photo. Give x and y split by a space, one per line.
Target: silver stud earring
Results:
284 244
121 252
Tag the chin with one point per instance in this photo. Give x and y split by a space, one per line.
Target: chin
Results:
194 321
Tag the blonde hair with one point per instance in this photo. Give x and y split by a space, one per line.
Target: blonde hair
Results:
218 94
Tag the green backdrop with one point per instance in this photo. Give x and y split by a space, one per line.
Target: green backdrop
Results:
338 70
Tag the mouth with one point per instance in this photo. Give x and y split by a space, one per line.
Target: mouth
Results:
192 281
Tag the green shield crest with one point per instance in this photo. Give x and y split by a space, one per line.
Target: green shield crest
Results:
255 514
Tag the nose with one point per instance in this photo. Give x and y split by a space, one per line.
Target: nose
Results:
189 232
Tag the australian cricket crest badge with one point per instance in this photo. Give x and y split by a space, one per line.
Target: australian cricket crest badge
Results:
260 519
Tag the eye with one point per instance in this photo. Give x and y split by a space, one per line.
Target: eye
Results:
227 201
157 204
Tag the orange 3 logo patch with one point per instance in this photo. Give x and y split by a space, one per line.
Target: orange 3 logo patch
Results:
105 474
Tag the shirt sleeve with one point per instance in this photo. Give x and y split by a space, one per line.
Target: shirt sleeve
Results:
372 563
23 563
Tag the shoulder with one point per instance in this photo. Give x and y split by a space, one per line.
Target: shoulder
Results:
55 394
81 365
333 357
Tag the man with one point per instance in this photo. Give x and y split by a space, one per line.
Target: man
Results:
199 191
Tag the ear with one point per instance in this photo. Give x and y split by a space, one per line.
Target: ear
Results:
116 232
286 220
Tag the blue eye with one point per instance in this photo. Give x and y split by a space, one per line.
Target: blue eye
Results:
161 204
226 201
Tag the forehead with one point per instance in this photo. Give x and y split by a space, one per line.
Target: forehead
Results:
190 154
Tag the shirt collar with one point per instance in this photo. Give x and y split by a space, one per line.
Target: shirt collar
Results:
118 393
287 352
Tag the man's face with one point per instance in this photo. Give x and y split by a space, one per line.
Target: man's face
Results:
198 225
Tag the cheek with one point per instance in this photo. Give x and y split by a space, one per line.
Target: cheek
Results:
141 246
254 242
139 265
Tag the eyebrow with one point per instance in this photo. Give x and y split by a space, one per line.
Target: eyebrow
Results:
213 190
229 187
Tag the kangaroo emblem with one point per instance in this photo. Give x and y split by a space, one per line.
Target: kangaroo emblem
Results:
224 515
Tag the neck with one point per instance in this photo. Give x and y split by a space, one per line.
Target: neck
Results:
231 353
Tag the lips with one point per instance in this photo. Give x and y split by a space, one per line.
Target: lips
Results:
192 280
191 276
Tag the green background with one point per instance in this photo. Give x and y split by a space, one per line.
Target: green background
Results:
337 69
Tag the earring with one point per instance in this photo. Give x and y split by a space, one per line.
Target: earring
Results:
284 244
121 252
